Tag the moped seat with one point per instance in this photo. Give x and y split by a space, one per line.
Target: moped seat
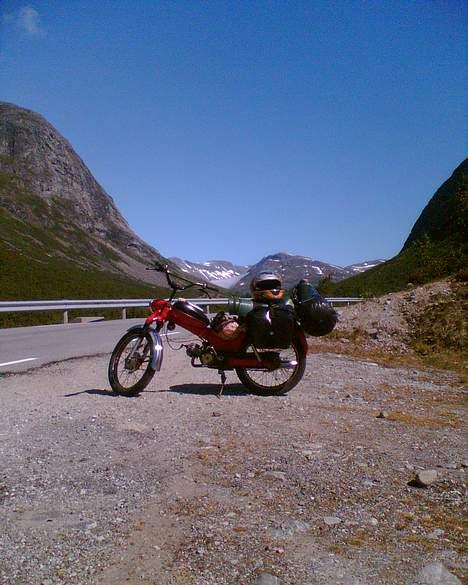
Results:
192 310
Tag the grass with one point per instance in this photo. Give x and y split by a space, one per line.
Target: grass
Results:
438 359
445 420
438 335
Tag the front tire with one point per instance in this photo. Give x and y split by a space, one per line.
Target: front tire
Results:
279 381
130 369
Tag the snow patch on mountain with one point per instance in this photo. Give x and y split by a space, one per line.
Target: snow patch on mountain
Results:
288 267
217 272
363 266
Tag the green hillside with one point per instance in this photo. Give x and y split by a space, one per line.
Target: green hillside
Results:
435 248
39 263
53 262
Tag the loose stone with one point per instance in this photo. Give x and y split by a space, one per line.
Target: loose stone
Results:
275 475
332 520
436 574
424 479
266 579
436 533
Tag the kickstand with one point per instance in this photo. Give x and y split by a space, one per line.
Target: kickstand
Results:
223 381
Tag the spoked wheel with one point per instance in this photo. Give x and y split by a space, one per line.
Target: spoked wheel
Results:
279 381
130 368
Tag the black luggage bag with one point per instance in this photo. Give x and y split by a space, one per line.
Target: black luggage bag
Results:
271 326
315 314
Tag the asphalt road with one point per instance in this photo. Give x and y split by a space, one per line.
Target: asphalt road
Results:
23 348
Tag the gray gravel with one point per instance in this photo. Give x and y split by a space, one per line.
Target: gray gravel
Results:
177 486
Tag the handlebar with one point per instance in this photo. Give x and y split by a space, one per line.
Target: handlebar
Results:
163 267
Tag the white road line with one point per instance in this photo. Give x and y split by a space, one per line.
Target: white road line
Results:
18 362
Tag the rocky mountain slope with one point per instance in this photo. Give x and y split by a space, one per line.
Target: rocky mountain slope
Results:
52 208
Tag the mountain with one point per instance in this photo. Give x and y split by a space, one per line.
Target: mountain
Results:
444 217
435 247
218 272
58 225
291 269
62 234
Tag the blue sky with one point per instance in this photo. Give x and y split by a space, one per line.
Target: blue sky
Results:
233 130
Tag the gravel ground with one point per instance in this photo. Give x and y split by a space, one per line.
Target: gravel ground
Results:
179 487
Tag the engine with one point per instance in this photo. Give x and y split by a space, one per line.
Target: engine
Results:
205 353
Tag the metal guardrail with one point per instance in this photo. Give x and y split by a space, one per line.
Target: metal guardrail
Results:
123 304
68 305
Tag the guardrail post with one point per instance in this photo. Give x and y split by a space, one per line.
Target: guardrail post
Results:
124 313
208 310
65 317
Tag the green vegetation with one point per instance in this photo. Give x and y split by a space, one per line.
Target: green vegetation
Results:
62 262
422 262
27 278
58 262
5 180
436 247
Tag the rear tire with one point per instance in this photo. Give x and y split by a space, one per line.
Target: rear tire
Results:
279 381
130 369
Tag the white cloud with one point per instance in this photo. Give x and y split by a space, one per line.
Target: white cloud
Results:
29 21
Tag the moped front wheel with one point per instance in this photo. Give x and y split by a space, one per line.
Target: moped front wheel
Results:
279 381
130 369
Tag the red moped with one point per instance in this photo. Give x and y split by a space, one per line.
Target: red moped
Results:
138 355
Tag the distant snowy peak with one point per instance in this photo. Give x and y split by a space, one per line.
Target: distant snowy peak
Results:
290 268
363 266
219 272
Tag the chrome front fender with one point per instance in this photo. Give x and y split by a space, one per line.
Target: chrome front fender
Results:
156 340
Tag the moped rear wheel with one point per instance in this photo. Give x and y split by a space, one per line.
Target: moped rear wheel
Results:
279 381
130 369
